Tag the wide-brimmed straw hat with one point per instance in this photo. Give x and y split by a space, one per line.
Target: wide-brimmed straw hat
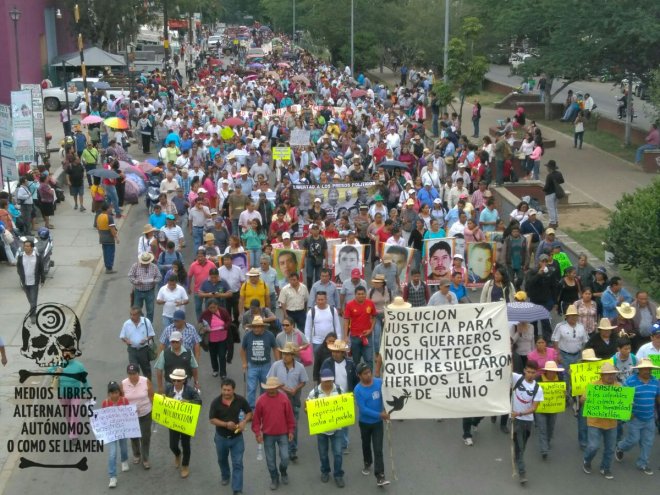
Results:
399 303
338 345
626 310
605 324
272 383
589 355
551 366
646 363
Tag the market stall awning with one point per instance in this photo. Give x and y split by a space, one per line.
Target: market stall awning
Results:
94 57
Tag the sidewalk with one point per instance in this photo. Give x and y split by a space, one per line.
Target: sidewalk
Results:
592 176
78 265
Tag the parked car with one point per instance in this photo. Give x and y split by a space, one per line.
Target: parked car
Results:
55 98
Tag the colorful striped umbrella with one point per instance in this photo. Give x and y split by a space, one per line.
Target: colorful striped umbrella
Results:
116 123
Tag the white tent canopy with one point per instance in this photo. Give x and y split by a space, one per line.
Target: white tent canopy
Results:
94 57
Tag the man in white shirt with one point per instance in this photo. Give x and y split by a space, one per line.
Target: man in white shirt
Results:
247 215
321 320
569 338
393 141
30 266
168 186
173 232
172 296
653 347
443 296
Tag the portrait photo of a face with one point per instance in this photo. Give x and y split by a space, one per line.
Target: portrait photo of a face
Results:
400 257
439 259
480 260
286 263
240 260
346 259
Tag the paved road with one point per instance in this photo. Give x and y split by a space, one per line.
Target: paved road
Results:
427 455
604 94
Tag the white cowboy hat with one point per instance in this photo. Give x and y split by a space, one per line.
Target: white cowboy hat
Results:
399 303
626 310
178 374
551 366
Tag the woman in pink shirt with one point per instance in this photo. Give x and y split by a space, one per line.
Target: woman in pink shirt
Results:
542 353
217 320
211 192
472 232
139 391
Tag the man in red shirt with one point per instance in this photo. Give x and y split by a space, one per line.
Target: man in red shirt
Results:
198 273
380 152
273 424
359 318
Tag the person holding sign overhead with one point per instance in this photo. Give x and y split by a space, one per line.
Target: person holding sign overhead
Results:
545 421
601 428
329 439
641 427
178 390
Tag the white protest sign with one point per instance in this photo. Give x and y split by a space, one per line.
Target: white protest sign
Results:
446 361
299 137
116 422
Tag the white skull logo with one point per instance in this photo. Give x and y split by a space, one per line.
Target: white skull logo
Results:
55 328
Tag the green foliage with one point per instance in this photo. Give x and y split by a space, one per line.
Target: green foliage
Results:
634 232
654 92
444 93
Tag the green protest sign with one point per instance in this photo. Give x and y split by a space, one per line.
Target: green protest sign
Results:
609 402
655 359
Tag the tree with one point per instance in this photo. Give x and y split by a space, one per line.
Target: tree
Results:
465 70
633 233
654 92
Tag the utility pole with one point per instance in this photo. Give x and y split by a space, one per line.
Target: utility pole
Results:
293 39
81 47
445 61
352 38
166 40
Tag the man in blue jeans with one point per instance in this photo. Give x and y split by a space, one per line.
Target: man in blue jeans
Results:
369 398
601 428
273 425
333 439
641 427
230 413
256 349
359 321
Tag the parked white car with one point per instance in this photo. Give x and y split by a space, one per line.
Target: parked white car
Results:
55 98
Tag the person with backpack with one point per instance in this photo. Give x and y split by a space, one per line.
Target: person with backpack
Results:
321 320
525 398
317 252
332 440
415 291
253 288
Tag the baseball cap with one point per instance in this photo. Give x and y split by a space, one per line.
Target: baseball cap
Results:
437 201
550 231
362 367
531 212
132 368
286 235
355 273
444 282
176 336
179 315
201 190
169 217
327 375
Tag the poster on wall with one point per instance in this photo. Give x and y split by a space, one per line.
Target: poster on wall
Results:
37 116
9 169
22 125
438 256
480 260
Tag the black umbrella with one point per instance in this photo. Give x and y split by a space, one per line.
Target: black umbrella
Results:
393 164
103 173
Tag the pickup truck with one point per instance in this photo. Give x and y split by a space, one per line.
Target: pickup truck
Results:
54 98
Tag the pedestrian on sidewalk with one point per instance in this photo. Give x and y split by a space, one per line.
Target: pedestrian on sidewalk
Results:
476 117
108 236
578 133
30 266
553 192
75 178
273 425
115 398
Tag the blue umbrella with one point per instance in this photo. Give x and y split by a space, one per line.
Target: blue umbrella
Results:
526 311
152 161
393 164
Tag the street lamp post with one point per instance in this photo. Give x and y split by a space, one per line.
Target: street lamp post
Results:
293 39
445 61
81 49
15 15
352 39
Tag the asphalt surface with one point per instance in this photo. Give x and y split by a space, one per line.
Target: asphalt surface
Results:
604 94
428 457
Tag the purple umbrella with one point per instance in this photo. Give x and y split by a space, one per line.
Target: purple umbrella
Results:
256 65
131 191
